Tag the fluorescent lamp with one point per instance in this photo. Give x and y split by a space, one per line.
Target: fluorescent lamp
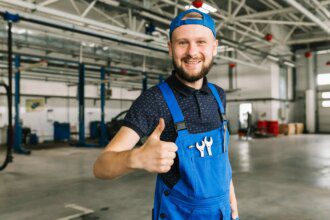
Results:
110 2
205 8
209 8
273 58
21 31
288 64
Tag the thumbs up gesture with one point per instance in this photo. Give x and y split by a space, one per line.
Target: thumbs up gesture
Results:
157 156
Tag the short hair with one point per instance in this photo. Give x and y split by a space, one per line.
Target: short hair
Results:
192 15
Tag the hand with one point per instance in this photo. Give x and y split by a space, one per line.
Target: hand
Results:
154 155
234 210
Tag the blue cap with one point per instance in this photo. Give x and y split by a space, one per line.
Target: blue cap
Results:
206 21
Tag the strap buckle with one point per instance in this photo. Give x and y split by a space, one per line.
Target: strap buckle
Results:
180 126
224 117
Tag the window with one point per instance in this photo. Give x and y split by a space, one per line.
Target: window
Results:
326 104
244 109
325 95
323 79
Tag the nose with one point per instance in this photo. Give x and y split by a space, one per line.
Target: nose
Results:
192 50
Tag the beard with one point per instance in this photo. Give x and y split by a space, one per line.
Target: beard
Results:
192 78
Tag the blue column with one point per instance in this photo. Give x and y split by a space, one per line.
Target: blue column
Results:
81 99
18 129
161 79
103 138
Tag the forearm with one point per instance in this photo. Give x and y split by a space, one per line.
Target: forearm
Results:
232 193
111 165
233 201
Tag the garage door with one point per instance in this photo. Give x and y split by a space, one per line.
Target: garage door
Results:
323 102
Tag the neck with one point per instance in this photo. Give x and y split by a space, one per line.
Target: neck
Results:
196 85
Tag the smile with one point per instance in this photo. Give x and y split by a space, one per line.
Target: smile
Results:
192 61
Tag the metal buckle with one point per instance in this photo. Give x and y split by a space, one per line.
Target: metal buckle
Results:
180 126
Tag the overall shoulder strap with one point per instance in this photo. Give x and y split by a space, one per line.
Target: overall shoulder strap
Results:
174 107
217 97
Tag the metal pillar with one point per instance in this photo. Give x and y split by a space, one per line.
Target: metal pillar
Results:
10 86
18 129
231 73
145 82
81 99
103 138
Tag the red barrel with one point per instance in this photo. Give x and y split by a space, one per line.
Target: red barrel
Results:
273 128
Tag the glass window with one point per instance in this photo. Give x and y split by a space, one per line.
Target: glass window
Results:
323 79
325 95
326 104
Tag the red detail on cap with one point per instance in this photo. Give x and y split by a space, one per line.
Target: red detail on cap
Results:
197 3
123 71
308 54
232 65
268 37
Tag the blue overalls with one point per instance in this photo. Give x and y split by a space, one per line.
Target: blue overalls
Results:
203 189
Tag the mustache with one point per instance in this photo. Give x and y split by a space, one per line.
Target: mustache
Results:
195 58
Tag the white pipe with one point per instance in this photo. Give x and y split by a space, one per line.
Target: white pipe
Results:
303 10
83 21
48 2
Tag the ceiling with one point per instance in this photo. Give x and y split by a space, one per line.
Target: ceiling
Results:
104 32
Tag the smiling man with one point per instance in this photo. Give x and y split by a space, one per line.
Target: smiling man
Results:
184 119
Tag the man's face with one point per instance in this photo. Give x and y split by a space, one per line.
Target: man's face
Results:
192 48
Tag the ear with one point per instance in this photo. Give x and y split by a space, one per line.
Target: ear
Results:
215 47
169 45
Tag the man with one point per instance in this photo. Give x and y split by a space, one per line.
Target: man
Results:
188 137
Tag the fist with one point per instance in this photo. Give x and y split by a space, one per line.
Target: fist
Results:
157 156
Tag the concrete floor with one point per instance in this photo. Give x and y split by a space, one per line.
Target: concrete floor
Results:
285 178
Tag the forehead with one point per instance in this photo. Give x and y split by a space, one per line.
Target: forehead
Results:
192 31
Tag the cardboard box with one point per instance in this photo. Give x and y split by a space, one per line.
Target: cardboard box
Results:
283 129
299 128
291 128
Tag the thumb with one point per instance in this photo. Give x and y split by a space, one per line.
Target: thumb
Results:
159 129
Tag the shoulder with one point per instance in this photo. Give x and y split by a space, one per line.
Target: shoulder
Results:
221 91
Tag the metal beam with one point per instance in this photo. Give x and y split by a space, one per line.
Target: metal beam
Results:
238 8
295 23
308 40
308 14
75 7
322 8
90 6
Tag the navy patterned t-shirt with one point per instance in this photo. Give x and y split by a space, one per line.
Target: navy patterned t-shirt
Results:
199 108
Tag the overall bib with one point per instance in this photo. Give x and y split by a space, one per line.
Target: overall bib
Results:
202 191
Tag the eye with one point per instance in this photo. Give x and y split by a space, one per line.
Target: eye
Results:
181 43
201 42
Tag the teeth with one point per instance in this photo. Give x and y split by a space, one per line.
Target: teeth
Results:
192 62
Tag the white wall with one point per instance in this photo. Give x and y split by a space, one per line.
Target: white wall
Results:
64 109
253 84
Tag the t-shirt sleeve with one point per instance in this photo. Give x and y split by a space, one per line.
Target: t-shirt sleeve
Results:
143 115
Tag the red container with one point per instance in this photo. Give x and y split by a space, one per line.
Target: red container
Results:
262 127
273 128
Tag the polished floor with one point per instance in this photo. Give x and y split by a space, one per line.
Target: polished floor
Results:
286 178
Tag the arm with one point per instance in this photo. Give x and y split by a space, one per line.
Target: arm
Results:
116 159
120 158
233 201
